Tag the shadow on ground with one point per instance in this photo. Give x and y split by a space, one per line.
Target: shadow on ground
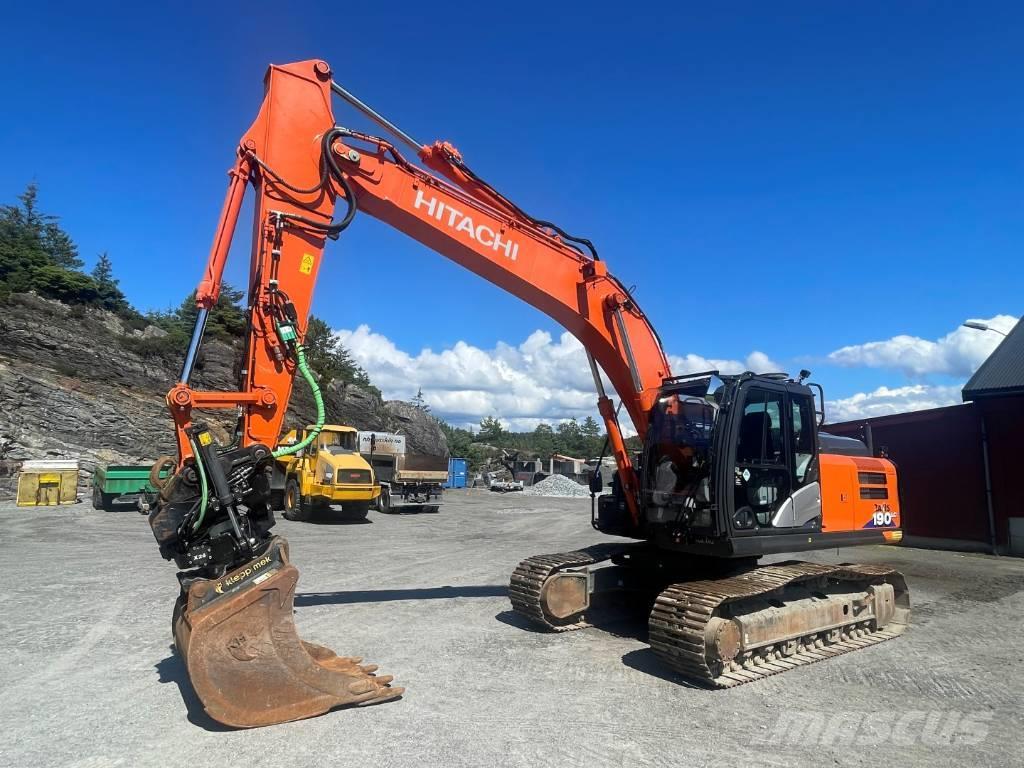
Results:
335 518
172 670
644 660
614 620
621 624
387 595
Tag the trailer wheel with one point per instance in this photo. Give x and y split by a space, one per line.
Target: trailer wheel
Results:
384 501
97 498
294 509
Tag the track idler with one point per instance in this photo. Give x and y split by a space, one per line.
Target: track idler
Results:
245 659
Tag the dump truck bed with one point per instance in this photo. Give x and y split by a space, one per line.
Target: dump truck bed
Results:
409 468
421 468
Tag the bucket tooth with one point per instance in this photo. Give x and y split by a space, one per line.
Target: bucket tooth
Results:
245 660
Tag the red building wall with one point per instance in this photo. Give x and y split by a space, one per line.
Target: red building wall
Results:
938 457
1004 422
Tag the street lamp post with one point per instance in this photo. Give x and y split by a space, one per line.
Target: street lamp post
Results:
982 327
979 326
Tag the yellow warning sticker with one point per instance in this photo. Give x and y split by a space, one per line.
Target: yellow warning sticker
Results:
306 267
205 438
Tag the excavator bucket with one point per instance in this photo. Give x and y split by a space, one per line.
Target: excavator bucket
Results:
245 659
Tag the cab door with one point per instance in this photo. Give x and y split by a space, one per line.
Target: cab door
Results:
803 507
761 475
774 471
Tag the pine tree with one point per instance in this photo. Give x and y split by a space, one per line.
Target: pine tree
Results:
569 438
21 247
103 272
43 227
543 441
420 402
490 428
60 247
37 255
28 213
225 321
329 358
110 295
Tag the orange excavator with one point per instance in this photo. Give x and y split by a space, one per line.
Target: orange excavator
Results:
731 467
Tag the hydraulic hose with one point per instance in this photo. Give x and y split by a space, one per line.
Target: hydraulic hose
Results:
329 169
204 490
307 374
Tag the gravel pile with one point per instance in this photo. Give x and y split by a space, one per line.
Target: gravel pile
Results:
557 485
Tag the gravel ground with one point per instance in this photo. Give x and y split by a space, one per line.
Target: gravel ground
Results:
88 678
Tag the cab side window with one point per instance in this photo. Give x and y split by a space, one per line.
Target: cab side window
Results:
802 427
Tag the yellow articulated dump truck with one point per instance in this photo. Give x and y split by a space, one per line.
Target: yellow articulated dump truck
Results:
326 473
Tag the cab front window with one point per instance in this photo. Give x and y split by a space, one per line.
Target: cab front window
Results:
338 442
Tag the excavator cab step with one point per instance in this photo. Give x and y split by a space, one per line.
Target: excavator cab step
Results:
244 657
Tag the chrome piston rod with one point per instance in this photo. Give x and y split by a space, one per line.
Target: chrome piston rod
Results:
376 117
193 346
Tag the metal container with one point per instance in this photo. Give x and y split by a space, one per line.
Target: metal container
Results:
458 473
48 483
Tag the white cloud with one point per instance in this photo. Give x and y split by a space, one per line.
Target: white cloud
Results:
544 379
958 353
886 400
758 362
540 379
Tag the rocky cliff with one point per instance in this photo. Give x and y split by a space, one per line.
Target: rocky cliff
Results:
78 383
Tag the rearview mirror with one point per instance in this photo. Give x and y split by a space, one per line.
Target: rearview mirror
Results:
819 401
596 483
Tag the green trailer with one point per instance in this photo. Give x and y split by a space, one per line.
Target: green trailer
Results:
123 484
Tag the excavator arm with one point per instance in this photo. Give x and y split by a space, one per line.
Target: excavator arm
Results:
232 622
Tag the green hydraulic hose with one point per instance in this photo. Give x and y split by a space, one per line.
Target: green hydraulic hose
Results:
300 360
307 374
300 357
205 497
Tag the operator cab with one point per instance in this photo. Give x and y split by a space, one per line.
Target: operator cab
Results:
726 458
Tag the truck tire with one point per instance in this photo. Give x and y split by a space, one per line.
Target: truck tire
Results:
432 508
277 500
294 508
355 510
104 501
384 501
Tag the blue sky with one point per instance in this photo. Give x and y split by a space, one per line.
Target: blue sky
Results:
787 178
